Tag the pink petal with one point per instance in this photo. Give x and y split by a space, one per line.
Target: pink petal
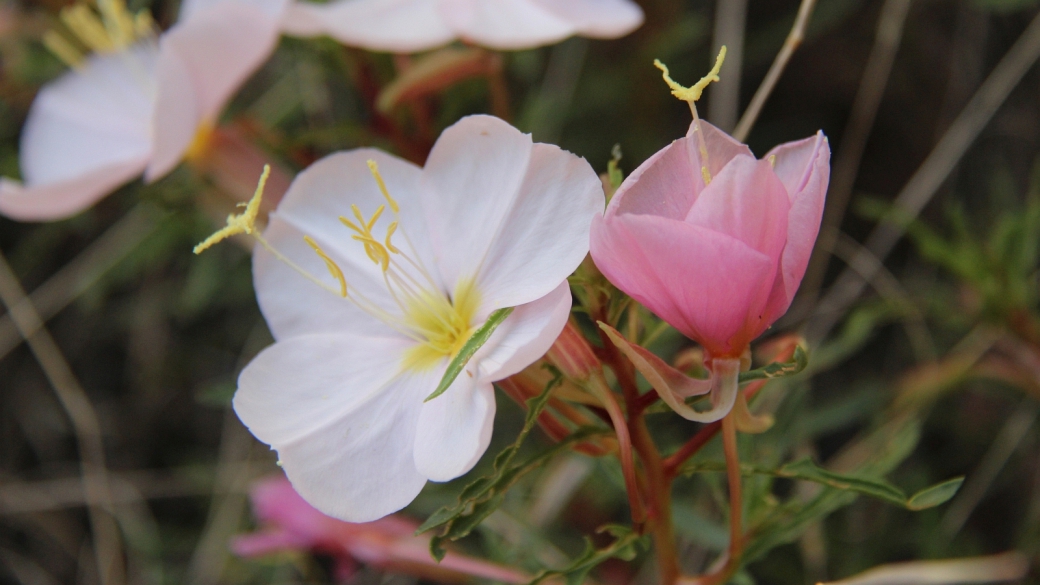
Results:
454 428
506 24
62 199
665 185
603 19
805 166
706 284
721 148
398 26
217 49
747 202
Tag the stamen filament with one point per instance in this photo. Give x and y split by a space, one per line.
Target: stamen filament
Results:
333 268
374 169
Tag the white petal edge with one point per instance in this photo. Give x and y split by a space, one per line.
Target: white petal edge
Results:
353 459
90 119
525 335
455 428
65 198
398 26
506 24
544 235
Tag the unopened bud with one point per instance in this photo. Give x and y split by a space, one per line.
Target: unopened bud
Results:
573 355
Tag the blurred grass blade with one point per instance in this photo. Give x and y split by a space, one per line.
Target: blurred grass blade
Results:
1010 566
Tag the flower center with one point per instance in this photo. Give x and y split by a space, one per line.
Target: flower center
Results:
439 323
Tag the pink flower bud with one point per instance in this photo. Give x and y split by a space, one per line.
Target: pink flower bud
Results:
712 240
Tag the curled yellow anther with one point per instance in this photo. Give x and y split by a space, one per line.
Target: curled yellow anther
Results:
374 169
390 229
692 93
244 223
706 175
334 269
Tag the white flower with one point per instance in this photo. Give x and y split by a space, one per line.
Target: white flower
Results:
406 26
492 221
138 104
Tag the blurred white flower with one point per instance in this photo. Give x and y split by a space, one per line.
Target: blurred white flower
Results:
406 26
492 221
137 104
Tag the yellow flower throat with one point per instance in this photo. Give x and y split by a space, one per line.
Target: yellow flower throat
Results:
439 323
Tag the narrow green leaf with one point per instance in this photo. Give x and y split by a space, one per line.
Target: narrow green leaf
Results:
623 547
799 361
474 343
933 496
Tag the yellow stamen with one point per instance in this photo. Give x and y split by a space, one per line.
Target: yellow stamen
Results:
87 27
334 269
389 233
245 223
63 49
706 175
118 22
144 24
692 93
772 160
372 222
374 169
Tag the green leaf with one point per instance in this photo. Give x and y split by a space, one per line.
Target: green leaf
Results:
474 343
806 470
933 496
484 495
624 547
799 361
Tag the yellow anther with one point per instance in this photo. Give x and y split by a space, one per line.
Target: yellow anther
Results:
374 169
375 251
87 27
375 216
351 225
772 160
118 22
245 223
330 264
63 49
705 175
390 229
692 93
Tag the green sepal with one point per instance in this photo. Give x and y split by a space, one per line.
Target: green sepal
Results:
799 361
474 343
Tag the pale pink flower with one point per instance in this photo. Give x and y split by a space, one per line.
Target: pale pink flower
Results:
288 523
492 221
720 261
138 109
406 26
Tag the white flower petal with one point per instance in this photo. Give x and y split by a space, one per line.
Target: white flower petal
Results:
506 24
273 8
59 200
399 26
604 19
312 207
342 419
544 236
525 336
455 428
94 118
218 48
307 382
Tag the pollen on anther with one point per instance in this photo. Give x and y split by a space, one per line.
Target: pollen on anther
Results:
334 269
